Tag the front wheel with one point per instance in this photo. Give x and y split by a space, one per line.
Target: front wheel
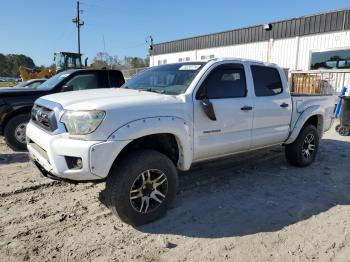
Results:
141 187
302 152
15 132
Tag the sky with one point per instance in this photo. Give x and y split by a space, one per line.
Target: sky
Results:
38 28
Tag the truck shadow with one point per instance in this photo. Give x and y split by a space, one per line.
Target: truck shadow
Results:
256 192
13 158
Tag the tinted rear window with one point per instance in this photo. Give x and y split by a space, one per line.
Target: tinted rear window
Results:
116 79
267 81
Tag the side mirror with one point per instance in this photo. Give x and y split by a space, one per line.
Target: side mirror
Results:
66 88
208 109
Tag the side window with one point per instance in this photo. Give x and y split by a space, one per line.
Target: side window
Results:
82 82
35 85
227 81
267 81
116 79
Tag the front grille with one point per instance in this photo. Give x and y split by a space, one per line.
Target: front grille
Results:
44 117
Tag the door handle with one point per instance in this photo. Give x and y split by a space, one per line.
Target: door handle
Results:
246 108
284 105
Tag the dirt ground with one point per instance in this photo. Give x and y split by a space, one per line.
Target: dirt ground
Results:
251 207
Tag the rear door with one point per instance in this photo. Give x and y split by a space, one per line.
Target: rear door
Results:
225 87
272 106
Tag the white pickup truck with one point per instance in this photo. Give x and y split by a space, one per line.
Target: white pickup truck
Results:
167 118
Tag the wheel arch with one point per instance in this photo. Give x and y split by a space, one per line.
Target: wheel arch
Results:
168 135
312 116
15 112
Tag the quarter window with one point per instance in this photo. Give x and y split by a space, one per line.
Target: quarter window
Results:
267 81
224 82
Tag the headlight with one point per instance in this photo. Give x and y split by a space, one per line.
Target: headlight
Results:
82 122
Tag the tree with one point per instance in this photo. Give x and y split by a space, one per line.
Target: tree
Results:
9 64
135 62
3 65
103 59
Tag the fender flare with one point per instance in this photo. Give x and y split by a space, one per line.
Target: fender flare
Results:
13 111
180 128
302 119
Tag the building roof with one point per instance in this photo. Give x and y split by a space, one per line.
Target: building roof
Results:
307 25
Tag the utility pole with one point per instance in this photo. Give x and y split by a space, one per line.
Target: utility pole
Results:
79 23
150 42
150 47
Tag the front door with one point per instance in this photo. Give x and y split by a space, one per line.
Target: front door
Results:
226 89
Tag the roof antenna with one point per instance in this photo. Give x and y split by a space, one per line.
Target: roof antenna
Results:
104 49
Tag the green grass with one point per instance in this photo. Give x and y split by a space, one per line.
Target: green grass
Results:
6 84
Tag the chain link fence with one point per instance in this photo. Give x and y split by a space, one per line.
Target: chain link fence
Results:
129 73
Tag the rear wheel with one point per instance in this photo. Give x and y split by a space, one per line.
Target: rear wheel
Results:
15 132
141 187
344 131
303 150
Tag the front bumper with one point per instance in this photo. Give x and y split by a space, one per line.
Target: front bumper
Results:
49 153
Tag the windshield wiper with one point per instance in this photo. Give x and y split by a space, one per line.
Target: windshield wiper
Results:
152 90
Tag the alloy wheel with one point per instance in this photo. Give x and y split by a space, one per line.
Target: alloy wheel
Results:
308 146
20 133
148 191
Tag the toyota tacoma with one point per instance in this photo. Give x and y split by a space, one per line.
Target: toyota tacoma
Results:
136 138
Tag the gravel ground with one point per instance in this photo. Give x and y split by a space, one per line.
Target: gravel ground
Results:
245 208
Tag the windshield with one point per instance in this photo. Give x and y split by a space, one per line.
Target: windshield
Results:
53 81
172 79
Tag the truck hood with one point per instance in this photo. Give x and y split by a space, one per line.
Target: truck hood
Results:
122 106
11 91
108 99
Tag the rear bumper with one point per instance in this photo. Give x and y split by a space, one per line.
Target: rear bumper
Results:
49 153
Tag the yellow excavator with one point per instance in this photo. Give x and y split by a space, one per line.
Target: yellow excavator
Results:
63 61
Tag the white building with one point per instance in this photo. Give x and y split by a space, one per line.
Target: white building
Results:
309 42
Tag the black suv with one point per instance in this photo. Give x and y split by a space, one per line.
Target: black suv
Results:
16 103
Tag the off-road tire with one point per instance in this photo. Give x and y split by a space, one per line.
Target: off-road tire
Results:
294 152
344 131
122 178
10 129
